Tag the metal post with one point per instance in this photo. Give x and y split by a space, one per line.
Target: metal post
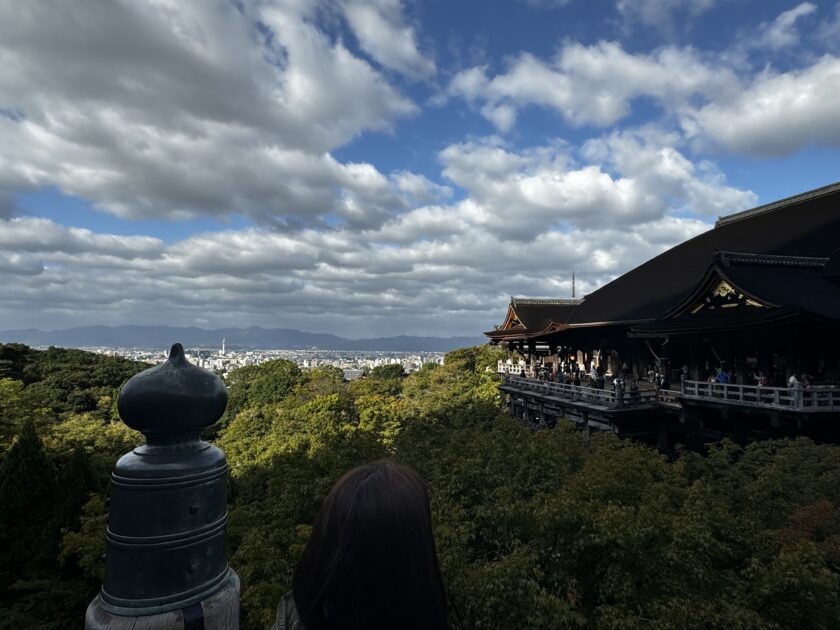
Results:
619 394
165 562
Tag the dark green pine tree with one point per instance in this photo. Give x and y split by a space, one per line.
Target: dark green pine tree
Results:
76 479
27 494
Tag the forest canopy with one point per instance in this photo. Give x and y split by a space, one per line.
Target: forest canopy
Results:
534 529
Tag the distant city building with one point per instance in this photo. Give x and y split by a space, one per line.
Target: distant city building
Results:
223 361
351 374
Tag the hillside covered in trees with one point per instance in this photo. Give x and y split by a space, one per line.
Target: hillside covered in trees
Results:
534 529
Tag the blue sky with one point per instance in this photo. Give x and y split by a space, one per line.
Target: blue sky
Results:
376 167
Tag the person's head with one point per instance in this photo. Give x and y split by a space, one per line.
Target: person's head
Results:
370 561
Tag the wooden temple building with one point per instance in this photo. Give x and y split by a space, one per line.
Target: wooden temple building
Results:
757 297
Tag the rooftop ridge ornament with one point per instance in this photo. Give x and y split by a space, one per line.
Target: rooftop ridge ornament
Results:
549 301
165 541
749 258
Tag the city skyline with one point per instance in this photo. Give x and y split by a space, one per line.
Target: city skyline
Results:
352 363
385 167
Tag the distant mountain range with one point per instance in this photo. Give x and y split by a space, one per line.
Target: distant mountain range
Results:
269 338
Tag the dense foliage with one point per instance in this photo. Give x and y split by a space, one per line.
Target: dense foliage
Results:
534 529
60 405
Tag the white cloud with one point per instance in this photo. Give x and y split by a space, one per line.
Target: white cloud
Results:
625 179
29 234
769 113
591 84
829 31
777 114
529 218
470 84
662 13
419 189
782 32
653 160
383 34
20 264
502 116
176 109
356 284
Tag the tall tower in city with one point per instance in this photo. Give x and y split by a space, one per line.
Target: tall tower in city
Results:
223 347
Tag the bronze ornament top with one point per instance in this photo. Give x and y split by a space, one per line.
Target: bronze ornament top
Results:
171 399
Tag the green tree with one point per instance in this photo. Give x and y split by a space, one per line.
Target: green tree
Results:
85 545
14 359
14 408
463 391
264 384
27 491
533 528
388 372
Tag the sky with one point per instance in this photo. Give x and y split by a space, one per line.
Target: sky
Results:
386 167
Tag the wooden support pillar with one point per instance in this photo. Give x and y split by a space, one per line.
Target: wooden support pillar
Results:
534 358
586 429
662 441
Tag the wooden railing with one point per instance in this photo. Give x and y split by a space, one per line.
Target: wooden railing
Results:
818 398
797 398
517 369
668 397
618 397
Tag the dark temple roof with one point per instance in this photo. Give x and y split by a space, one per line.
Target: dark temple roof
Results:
807 225
782 289
535 316
786 281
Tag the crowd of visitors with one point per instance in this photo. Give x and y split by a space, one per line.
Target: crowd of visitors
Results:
574 373
760 378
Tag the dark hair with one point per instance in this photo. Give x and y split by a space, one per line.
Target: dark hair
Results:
370 561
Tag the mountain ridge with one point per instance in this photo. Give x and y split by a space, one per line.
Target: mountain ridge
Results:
246 338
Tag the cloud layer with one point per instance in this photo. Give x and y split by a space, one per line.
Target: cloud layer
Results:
528 219
173 110
766 113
